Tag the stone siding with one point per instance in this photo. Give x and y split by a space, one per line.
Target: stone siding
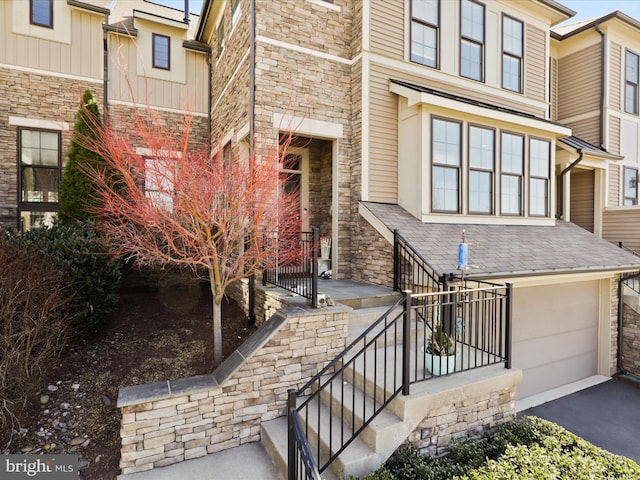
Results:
372 256
631 340
468 417
169 422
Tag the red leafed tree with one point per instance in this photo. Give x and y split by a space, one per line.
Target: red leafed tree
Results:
178 205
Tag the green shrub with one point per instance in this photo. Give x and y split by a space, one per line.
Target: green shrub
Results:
80 252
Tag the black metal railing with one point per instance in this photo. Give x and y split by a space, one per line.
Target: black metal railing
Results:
300 464
411 271
300 275
631 280
390 355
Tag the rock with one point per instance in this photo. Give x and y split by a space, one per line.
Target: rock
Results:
75 387
26 449
52 388
86 442
82 464
44 399
106 401
77 441
65 405
98 458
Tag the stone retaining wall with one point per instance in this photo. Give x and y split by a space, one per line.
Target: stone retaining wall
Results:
168 422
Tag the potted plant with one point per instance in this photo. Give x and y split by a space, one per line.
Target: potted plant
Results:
440 352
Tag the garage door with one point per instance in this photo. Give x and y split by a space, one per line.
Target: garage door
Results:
555 334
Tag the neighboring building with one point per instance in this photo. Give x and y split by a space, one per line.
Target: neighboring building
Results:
433 118
50 52
596 92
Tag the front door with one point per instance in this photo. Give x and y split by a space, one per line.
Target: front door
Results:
296 166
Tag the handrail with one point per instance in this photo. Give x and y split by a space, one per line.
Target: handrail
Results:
300 457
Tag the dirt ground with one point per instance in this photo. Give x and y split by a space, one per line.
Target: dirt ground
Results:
155 334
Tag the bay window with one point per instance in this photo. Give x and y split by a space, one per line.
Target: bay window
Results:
445 173
539 158
481 167
512 160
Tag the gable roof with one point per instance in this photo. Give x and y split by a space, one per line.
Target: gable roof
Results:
505 251
566 31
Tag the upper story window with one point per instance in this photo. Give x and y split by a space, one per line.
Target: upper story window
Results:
481 167
539 159
425 21
446 154
631 83
41 12
472 40
512 160
161 51
630 186
39 176
220 39
512 53
235 12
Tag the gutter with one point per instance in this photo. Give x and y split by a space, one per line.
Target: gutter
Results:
602 82
560 214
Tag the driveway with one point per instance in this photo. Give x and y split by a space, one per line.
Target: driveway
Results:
607 415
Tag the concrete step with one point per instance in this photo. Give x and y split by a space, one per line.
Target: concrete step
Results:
361 319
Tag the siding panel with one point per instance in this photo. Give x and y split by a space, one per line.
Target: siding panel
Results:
535 63
613 143
613 199
580 73
387 28
554 89
622 226
615 77
582 196
587 129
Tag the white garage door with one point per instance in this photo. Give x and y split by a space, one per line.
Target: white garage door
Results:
555 334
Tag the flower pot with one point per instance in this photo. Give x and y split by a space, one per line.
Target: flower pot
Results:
440 365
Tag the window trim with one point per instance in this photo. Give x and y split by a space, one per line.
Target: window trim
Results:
473 41
521 176
155 63
424 23
624 187
220 39
536 177
27 206
511 55
458 168
628 83
39 24
491 172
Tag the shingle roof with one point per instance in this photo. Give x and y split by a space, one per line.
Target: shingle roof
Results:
586 147
506 250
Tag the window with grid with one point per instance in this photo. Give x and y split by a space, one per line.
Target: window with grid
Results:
220 39
539 160
630 186
481 167
631 83
512 53
445 173
41 13
161 51
424 32
39 176
512 160
472 40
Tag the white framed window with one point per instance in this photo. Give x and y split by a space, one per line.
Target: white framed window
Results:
632 80
481 169
512 53
539 168
512 161
446 156
472 40
630 189
425 25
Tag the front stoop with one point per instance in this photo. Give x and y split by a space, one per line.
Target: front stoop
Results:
436 411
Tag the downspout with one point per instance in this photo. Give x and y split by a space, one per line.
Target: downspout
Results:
602 83
186 12
252 104
105 68
561 186
209 102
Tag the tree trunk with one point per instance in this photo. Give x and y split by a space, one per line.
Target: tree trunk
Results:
217 327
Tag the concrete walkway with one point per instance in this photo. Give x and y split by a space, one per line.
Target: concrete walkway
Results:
607 415
247 462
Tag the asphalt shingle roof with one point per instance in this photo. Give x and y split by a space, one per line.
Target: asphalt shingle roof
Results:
506 250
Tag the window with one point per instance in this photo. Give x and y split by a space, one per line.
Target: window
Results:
446 156
630 186
539 158
159 182
41 12
226 154
424 32
481 166
220 36
161 53
631 83
472 40
512 159
235 12
512 54
39 176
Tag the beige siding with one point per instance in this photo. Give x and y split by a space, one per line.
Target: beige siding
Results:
613 144
82 57
554 89
587 129
615 77
387 27
535 63
579 90
622 226
614 186
582 196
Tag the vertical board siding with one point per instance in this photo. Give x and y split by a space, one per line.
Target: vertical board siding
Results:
582 197
579 73
535 63
613 199
615 77
387 28
622 226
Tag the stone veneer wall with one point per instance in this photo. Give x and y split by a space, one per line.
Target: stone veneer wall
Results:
467 415
372 260
631 339
169 422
